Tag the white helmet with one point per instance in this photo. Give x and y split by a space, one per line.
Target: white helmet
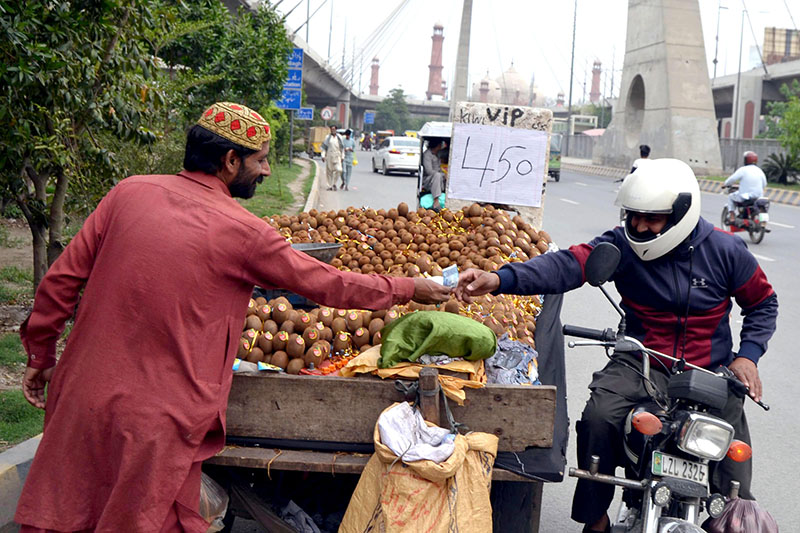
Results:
665 186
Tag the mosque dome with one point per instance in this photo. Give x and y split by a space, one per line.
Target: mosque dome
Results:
486 90
514 89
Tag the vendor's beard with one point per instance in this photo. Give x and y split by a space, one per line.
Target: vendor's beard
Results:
244 186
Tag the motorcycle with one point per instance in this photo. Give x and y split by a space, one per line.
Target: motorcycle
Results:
751 216
671 441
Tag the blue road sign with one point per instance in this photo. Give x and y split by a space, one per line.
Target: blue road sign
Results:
305 113
294 80
296 58
369 117
290 99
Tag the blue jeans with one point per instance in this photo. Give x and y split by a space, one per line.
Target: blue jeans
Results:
348 171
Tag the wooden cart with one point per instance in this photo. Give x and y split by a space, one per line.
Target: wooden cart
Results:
278 406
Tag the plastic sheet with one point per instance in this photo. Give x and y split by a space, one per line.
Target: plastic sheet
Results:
743 516
213 503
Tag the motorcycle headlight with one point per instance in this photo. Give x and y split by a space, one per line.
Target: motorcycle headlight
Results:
705 436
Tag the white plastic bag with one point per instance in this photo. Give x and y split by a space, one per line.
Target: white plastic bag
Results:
213 503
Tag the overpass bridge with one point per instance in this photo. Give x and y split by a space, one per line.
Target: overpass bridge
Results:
756 89
324 86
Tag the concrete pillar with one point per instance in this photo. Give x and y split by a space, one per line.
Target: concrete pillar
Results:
665 97
748 105
462 58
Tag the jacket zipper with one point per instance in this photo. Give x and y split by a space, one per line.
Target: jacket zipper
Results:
678 314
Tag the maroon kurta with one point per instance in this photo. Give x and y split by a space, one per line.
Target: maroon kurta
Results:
167 264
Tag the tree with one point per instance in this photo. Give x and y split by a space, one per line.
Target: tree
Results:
85 85
783 119
71 70
392 112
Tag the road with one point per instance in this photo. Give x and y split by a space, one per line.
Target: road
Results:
579 207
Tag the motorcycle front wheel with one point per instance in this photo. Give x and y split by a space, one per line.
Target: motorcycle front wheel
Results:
756 233
724 220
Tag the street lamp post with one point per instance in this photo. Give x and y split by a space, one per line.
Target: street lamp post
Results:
738 79
571 72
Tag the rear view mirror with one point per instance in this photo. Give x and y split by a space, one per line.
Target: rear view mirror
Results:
602 263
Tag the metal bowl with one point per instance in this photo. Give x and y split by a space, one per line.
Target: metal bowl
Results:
324 251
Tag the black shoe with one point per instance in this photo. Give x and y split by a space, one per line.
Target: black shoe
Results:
334 187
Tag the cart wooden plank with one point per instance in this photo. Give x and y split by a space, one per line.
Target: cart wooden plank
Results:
312 461
335 409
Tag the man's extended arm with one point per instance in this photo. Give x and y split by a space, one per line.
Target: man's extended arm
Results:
736 177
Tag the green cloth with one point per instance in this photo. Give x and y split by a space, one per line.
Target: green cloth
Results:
435 333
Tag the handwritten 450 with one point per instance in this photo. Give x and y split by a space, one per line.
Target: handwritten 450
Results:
522 168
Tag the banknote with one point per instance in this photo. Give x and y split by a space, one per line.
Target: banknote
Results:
450 275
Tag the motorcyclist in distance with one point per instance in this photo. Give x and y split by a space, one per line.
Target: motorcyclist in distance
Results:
677 276
751 180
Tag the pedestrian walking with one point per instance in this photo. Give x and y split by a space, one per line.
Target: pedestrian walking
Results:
333 157
349 152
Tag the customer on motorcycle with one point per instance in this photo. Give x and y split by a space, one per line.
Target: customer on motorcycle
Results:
751 180
677 277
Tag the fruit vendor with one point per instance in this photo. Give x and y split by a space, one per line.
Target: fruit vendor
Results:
164 269
677 276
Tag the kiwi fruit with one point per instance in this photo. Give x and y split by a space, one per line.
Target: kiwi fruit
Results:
265 342
280 340
253 322
264 312
314 356
341 342
271 327
288 326
402 209
451 306
325 346
260 301
251 307
280 312
280 359
304 320
375 325
376 338
339 324
391 315
244 348
294 366
326 334
326 316
295 346
255 355
361 336
353 320
311 335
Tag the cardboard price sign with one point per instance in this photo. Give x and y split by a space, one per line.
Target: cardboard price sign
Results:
497 164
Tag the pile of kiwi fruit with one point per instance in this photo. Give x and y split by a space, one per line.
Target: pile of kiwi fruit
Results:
395 242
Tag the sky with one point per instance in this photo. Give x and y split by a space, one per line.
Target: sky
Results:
536 35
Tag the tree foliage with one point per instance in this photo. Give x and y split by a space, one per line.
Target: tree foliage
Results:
94 90
392 112
783 119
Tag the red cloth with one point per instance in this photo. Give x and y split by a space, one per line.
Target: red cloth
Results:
167 265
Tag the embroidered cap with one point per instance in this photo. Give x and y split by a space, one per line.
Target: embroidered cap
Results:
237 123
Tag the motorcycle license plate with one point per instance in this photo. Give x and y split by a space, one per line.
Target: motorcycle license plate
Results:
668 465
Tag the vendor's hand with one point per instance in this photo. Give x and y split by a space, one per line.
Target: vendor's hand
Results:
430 292
33 385
474 282
747 372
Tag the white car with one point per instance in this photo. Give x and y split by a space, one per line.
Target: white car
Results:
396 154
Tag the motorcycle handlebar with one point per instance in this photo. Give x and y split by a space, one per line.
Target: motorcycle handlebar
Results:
606 335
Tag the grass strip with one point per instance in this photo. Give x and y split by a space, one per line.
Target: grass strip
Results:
273 196
19 420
